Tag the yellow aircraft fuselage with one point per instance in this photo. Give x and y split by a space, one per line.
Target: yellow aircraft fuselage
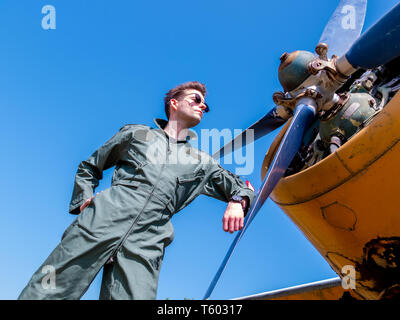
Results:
348 204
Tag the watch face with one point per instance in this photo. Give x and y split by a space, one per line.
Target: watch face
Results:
237 198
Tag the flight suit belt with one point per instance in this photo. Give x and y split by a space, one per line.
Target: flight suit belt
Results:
165 200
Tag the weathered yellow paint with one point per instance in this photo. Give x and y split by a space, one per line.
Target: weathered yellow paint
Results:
334 293
348 204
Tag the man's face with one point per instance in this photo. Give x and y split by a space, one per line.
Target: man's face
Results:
188 109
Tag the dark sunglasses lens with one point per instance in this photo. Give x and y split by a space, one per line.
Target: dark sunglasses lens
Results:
197 98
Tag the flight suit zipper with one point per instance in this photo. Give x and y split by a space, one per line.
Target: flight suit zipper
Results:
114 253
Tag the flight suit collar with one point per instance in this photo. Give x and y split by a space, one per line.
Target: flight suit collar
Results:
161 123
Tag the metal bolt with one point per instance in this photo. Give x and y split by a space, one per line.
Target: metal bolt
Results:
372 102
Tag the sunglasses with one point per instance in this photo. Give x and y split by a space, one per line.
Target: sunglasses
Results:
197 99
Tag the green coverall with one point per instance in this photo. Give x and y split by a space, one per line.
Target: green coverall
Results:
127 227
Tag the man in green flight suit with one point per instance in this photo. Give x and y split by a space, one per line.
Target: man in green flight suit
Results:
127 227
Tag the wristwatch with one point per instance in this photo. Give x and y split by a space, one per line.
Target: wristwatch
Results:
237 199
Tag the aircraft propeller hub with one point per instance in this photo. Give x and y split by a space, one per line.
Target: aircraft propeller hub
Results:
302 73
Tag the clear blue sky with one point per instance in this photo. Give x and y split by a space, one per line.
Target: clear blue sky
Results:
64 92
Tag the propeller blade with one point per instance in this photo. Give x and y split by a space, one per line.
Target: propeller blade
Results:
379 44
263 126
291 142
344 26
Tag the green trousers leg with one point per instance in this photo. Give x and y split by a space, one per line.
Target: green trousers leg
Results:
130 277
76 261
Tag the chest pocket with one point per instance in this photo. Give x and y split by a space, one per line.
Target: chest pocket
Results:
188 187
136 159
127 169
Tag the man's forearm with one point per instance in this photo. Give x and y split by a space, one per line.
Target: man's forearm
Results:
86 180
